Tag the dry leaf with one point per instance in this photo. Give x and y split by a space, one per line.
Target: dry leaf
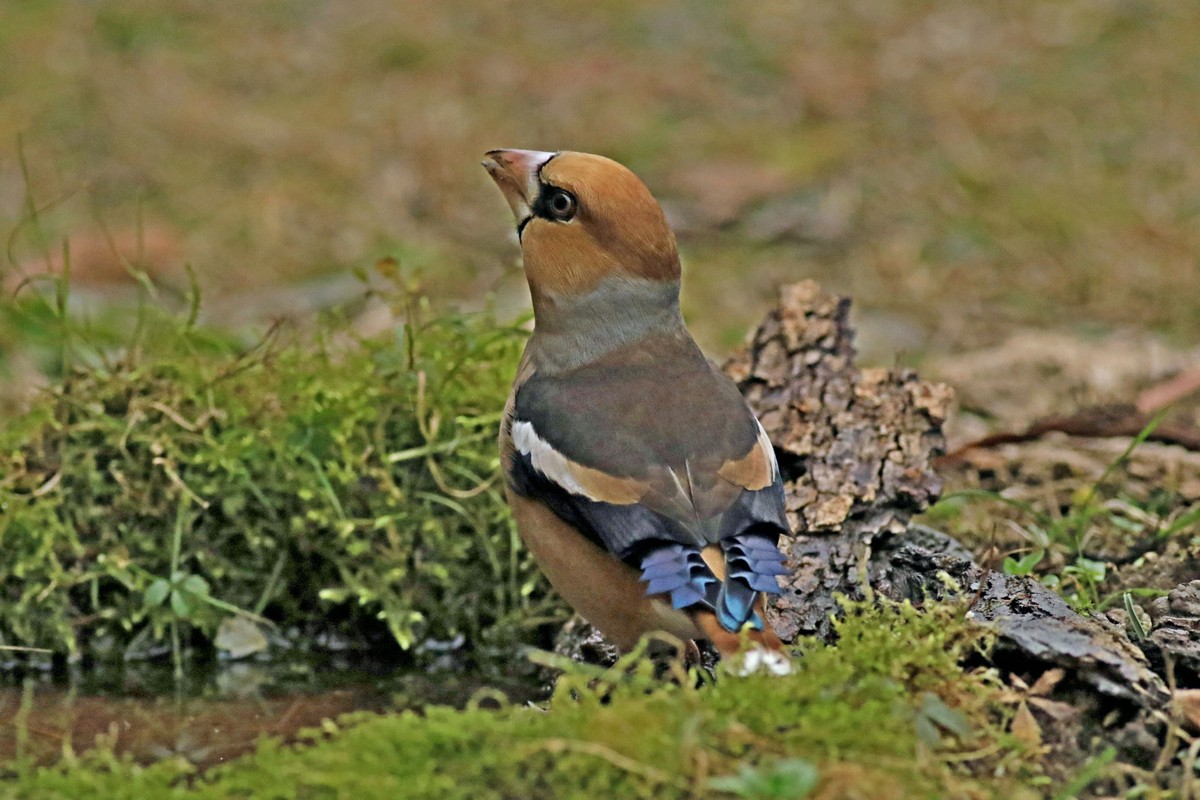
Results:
1025 728
1187 703
1045 684
1054 709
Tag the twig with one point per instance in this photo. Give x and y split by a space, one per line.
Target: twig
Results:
1095 421
1169 392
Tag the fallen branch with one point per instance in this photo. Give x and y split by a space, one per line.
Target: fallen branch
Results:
1094 421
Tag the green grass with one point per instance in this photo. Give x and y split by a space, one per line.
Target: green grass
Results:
887 712
1061 545
317 480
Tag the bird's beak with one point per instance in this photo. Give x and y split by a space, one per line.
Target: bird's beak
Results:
516 173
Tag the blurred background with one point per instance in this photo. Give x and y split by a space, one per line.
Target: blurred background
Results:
961 169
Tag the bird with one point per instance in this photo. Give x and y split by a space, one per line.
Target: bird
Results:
639 479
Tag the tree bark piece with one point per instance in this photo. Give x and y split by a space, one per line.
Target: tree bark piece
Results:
1175 636
855 448
855 445
1035 624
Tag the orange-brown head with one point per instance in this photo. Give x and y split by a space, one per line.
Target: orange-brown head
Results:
582 218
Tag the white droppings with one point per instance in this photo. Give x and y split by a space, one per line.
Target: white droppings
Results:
758 659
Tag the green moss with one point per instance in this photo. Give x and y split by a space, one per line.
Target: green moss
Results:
887 712
306 479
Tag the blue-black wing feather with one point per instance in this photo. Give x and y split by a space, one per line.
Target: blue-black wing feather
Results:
674 411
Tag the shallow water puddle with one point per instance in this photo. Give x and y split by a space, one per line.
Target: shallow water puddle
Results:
217 716
202 730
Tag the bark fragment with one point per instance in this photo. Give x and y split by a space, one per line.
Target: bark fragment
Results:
1175 637
856 444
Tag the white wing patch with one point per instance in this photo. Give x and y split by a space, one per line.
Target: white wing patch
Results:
545 459
764 442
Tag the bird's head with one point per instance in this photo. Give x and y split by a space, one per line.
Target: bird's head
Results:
583 220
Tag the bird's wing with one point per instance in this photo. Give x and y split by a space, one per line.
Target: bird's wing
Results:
655 461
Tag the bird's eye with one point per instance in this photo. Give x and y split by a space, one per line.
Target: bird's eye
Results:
561 204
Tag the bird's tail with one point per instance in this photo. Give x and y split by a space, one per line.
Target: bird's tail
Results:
680 571
753 563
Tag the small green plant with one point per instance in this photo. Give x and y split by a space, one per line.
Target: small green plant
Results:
1024 565
786 779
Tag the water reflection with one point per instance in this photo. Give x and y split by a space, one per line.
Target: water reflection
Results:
216 713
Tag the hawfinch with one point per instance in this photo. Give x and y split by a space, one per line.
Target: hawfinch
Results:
639 479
